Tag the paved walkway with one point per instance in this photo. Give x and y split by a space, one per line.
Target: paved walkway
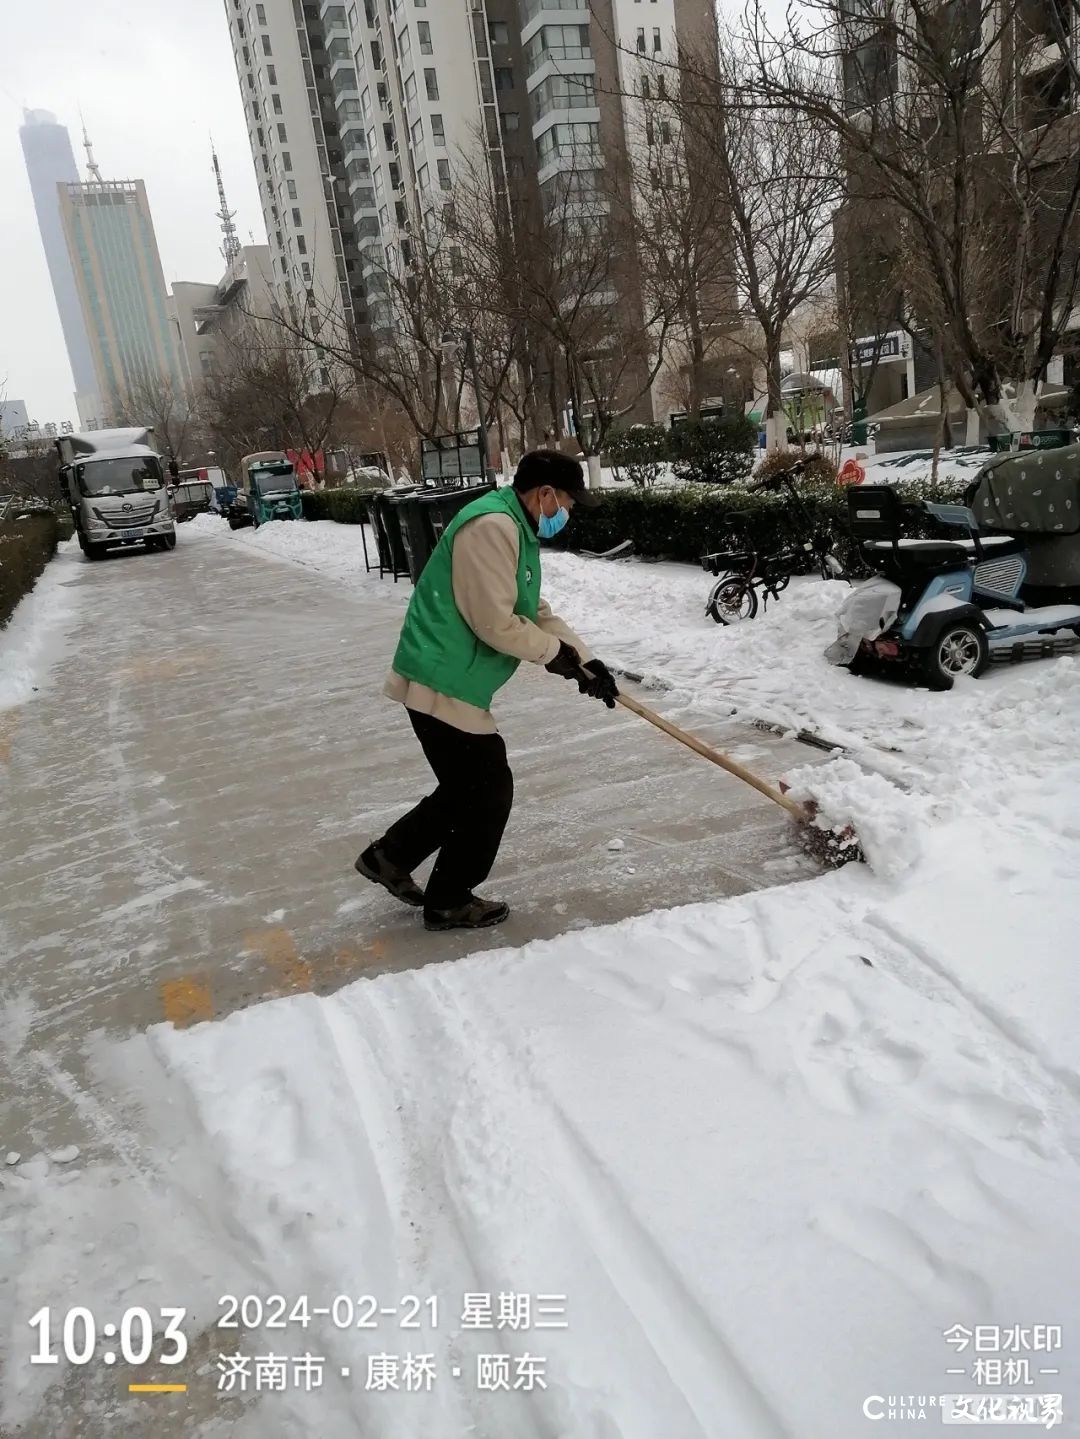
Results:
183 803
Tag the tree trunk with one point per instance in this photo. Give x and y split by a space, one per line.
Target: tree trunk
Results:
1016 413
775 420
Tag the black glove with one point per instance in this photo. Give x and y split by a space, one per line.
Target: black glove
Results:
566 663
598 682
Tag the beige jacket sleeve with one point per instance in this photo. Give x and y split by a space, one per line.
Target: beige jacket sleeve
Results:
484 576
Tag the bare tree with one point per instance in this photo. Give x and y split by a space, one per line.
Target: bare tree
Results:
566 285
157 402
780 182
957 122
272 392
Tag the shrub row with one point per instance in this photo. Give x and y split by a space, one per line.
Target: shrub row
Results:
686 523
712 452
346 506
26 547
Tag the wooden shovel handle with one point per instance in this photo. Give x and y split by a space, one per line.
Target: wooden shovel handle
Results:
716 756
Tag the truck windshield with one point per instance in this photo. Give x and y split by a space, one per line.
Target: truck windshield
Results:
273 484
192 494
119 476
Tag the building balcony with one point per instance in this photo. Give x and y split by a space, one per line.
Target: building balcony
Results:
537 13
569 116
561 60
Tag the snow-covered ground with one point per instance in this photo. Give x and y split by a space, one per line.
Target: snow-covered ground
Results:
770 1150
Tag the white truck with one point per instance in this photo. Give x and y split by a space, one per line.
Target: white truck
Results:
116 489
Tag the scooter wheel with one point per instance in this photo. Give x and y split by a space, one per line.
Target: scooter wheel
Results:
732 600
959 650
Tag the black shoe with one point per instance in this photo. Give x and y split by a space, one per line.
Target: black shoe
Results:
473 914
374 865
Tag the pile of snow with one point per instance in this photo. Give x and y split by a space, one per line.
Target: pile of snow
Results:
34 636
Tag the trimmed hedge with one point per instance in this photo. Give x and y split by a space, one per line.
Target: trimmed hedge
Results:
26 547
345 506
685 524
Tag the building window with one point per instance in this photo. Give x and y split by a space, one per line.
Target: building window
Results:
290 185
301 245
404 42
423 177
262 137
431 82
423 34
305 270
510 122
275 101
438 134
417 134
645 92
260 14
286 160
271 74
665 133
498 32
297 221
444 174
266 44
661 88
240 29
641 39
504 77
281 132
247 56
656 40
376 54
410 88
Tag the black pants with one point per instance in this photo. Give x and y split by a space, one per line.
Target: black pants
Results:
463 818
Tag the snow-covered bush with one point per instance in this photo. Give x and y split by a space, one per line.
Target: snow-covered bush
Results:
713 452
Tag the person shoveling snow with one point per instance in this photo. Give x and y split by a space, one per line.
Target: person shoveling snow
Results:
475 615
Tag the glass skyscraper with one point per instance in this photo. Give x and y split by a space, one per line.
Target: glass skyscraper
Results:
50 162
121 287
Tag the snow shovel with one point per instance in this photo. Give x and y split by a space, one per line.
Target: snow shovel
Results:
824 845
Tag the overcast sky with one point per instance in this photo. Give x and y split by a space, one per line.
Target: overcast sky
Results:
153 78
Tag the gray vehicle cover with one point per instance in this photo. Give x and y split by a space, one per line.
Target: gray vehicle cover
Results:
1037 497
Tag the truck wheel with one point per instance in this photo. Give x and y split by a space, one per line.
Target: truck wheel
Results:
960 649
90 550
168 542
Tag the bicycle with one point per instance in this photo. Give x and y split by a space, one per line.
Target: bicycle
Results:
743 575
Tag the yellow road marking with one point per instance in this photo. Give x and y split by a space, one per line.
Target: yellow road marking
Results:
277 948
186 1001
157 1388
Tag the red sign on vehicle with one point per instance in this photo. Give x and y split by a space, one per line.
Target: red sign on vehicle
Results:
851 473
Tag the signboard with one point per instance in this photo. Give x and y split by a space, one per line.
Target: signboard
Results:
453 459
881 347
851 473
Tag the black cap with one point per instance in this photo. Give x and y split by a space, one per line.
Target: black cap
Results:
561 472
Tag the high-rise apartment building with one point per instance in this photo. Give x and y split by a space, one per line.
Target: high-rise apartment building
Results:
50 162
360 111
121 288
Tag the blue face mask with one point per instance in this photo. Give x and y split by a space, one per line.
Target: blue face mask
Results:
549 526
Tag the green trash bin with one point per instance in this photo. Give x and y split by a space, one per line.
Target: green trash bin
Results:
391 540
440 506
424 515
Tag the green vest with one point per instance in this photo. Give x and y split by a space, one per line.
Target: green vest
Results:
437 648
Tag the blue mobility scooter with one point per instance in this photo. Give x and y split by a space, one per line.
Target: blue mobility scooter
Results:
1006 589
